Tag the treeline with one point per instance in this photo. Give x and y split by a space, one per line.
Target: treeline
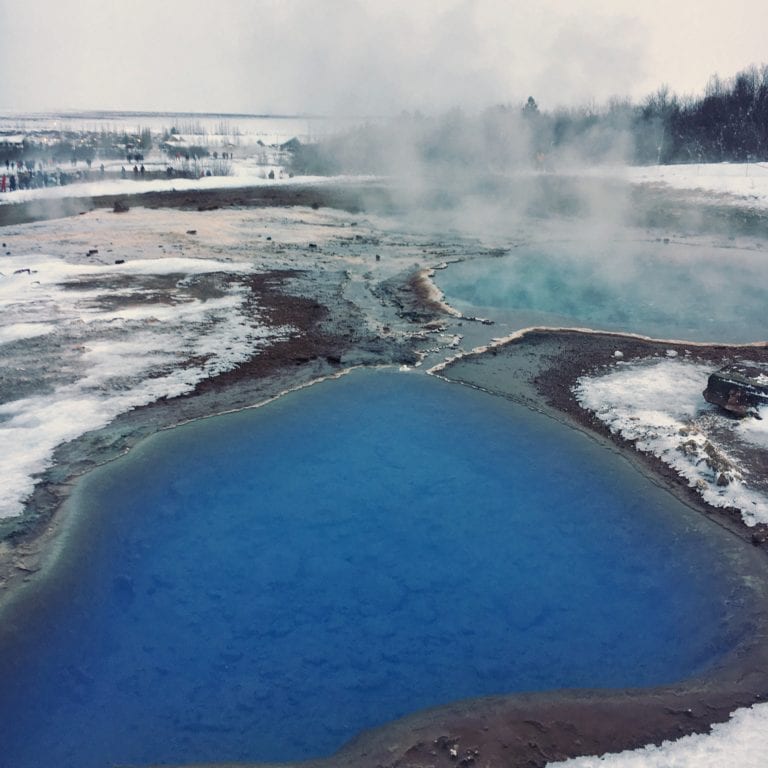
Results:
728 123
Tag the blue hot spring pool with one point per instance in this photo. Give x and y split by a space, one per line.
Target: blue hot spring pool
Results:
668 291
263 585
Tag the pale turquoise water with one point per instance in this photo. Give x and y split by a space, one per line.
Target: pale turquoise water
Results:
264 585
671 291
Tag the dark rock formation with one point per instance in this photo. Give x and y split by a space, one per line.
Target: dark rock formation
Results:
739 388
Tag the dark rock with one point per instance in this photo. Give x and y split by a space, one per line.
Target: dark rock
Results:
191 231
119 207
738 388
760 534
119 261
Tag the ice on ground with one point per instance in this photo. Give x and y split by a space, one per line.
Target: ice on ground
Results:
83 343
742 742
658 404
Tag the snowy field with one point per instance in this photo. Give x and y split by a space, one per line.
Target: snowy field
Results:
247 173
744 183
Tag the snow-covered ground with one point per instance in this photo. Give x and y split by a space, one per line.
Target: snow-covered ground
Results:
659 404
743 183
83 338
245 174
82 343
740 183
739 743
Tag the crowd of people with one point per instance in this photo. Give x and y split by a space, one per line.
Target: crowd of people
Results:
26 174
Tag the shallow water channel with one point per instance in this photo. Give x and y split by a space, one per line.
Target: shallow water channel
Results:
265 584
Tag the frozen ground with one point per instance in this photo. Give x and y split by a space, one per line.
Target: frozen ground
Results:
658 405
83 342
739 743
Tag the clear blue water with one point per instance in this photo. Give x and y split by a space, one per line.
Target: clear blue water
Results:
672 291
264 585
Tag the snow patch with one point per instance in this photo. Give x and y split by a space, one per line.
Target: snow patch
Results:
742 742
658 404
744 182
117 357
22 331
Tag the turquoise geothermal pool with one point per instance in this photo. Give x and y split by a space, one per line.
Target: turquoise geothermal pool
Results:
676 290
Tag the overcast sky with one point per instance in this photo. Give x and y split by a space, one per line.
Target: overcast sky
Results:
364 57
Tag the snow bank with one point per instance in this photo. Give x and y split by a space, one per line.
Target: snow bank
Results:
659 404
742 742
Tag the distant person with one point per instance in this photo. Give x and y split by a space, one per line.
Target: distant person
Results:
135 171
13 182
142 170
122 171
3 182
101 169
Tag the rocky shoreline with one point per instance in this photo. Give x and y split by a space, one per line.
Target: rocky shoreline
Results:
538 370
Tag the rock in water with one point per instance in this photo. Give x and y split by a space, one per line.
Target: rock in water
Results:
738 388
